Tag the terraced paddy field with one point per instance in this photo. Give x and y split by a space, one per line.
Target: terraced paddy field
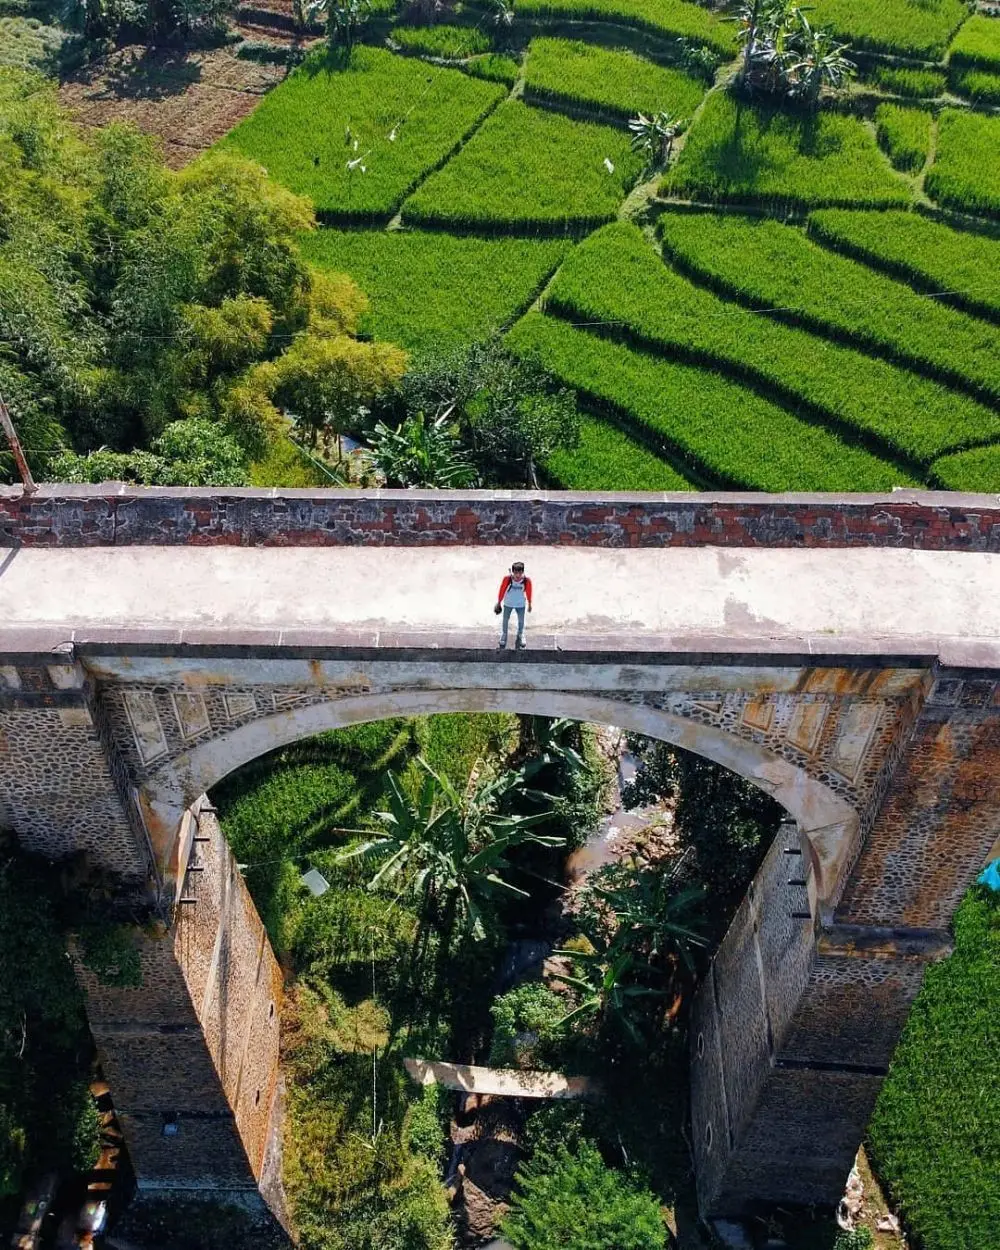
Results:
794 300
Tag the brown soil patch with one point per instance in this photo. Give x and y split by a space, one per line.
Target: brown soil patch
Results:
189 99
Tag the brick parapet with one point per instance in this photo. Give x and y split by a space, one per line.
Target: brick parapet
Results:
117 515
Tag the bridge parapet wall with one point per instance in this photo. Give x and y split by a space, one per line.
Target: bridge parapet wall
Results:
116 515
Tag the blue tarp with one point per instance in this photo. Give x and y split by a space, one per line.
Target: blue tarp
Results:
991 875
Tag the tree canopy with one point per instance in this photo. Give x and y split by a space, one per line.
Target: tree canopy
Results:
159 319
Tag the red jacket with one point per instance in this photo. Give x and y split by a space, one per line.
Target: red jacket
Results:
505 586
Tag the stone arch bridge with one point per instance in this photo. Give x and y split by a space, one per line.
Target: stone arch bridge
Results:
841 653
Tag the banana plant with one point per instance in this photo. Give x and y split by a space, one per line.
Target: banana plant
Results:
448 849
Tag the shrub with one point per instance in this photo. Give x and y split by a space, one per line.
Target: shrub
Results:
906 80
961 267
269 53
935 1132
425 1129
457 289
977 44
858 1239
616 278
672 18
531 170
966 173
618 84
727 434
27 43
608 459
737 152
527 1027
405 116
765 264
905 134
574 1201
917 28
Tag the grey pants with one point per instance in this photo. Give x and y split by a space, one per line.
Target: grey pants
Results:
506 621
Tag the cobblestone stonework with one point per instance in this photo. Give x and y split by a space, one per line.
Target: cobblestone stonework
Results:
195 1047
62 786
102 515
940 816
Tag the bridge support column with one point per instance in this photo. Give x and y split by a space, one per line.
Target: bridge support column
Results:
63 788
795 1026
191 1054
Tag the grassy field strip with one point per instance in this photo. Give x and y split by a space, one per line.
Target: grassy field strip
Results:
975 470
670 18
367 102
961 265
608 459
616 277
725 432
977 44
905 135
443 40
935 1133
966 170
456 289
777 269
906 80
617 84
978 85
530 170
741 153
916 28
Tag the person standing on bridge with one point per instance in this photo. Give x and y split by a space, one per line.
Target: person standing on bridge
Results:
514 596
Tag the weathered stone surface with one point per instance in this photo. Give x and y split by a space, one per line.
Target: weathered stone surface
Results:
75 516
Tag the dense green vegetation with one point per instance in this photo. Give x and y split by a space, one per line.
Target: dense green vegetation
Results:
977 44
47 1118
448 42
976 470
935 1134
606 458
716 426
572 1200
457 289
772 266
966 174
531 170
905 80
676 18
981 86
905 134
762 154
387 122
161 316
395 958
616 82
615 279
917 28
957 266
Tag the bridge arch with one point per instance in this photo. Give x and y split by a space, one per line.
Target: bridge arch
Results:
828 826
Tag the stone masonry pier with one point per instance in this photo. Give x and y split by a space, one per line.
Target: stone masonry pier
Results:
841 653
